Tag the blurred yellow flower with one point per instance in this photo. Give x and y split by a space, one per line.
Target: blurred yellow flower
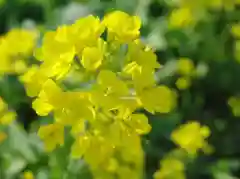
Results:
52 135
6 116
236 30
170 168
181 17
191 137
3 136
28 175
185 66
33 79
183 83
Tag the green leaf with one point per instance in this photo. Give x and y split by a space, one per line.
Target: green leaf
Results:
19 142
42 174
16 166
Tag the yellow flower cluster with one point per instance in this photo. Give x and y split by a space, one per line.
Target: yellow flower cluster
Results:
103 114
15 46
188 12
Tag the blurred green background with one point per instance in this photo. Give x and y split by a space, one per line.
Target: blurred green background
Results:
209 44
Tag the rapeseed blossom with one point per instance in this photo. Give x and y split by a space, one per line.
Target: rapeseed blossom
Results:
6 116
52 135
236 30
181 17
186 70
183 83
28 175
14 53
170 168
103 116
185 66
125 29
191 137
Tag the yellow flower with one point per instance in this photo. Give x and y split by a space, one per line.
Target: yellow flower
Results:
126 172
191 137
33 80
98 152
109 82
28 175
181 17
112 165
25 43
67 112
183 83
143 78
140 66
170 168
48 98
92 57
20 66
185 66
142 55
78 127
139 122
122 27
80 146
52 136
109 90
7 118
56 45
236 30
14 52
57 53
158 99
3 136
86 32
